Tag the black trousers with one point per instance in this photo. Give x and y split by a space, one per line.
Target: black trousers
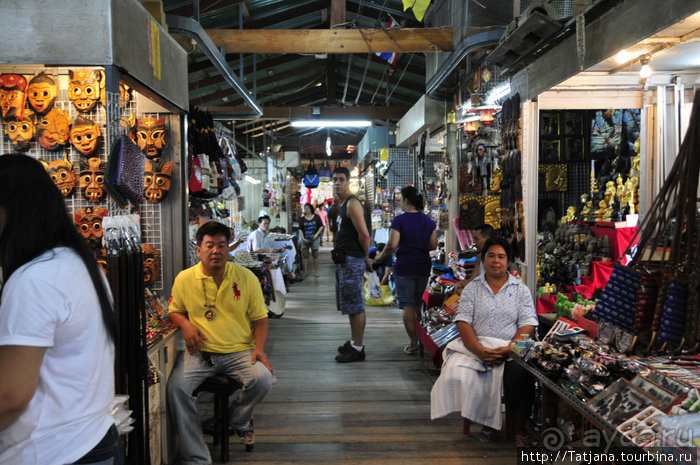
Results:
519 389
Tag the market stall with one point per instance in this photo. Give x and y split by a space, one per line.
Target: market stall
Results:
86 108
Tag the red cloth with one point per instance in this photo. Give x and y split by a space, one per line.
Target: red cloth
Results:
545 304
619 238
432 348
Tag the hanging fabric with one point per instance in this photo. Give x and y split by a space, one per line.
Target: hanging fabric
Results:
311 177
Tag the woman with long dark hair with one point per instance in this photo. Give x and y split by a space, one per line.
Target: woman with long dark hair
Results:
412 236
57 329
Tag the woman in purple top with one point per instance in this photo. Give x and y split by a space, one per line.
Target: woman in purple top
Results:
413 236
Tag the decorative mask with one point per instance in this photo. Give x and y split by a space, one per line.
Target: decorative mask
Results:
54 129
21 133
150 136
41 93
157 183
12 95
124 93
62 174
84 135
151 264
89 223
84 88
92 176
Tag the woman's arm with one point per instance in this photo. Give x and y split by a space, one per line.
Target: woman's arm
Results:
433 242
390 247
468 336
19 366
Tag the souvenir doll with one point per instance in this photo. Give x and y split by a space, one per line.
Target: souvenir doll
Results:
53 130
41 93
84 88
157 183
84 135
62 174
151 264
21 133
92 176
12 96
149 135
89 223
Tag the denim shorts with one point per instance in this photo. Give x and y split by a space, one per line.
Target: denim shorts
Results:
349 298
410 290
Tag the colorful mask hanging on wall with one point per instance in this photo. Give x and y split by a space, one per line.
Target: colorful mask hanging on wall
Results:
84 135
149 135
21 133
84 88
62 174
151 264
92 176
124 94
89 223
157 183
12 96
41 93
54 130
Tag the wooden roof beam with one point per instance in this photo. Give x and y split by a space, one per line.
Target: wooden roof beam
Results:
333 40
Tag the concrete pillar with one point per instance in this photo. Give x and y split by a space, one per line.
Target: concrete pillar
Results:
451 244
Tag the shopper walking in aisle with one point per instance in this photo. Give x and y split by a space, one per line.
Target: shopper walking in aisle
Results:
311 232
482 233
350 256
494 310
412 236
320 210
57 329
213 303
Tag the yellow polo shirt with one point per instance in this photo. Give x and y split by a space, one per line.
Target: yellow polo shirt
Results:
236 302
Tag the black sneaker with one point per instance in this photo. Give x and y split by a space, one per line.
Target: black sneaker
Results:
351 355
345 347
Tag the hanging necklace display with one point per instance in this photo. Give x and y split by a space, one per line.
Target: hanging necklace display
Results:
209 312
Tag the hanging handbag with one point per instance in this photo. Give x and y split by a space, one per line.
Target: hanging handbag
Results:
324 172
311 175
110 170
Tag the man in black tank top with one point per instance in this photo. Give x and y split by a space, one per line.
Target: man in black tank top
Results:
352 239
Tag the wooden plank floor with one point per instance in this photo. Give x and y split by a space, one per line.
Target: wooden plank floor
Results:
375 412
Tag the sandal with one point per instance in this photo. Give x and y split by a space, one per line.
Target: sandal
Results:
487 435
410 350
525 441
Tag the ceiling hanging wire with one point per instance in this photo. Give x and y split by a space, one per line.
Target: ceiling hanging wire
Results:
401 77
380 83
347 78
364 76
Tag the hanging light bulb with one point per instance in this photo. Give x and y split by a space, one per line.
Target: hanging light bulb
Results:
645 70
329 150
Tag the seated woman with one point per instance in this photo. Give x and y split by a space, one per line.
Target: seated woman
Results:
494 310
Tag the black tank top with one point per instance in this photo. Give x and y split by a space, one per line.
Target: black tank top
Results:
346 237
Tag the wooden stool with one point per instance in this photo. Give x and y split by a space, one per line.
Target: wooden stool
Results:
218 426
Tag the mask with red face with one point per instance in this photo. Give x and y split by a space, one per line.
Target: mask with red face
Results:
12 96
89 223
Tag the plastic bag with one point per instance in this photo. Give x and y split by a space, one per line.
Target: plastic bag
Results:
386 298
374 290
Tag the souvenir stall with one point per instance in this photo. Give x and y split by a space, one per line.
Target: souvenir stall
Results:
108 126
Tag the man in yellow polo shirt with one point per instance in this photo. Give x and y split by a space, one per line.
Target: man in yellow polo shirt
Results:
213 304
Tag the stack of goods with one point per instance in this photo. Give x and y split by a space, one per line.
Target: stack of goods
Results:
157 326
567 255
462 264
437 323
245 258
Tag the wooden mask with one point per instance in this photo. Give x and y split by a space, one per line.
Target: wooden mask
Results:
150 136
21 133
62 174
54 130
151 264
84 88
156 184
41 93
89 223
84 135
92 176
12 96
